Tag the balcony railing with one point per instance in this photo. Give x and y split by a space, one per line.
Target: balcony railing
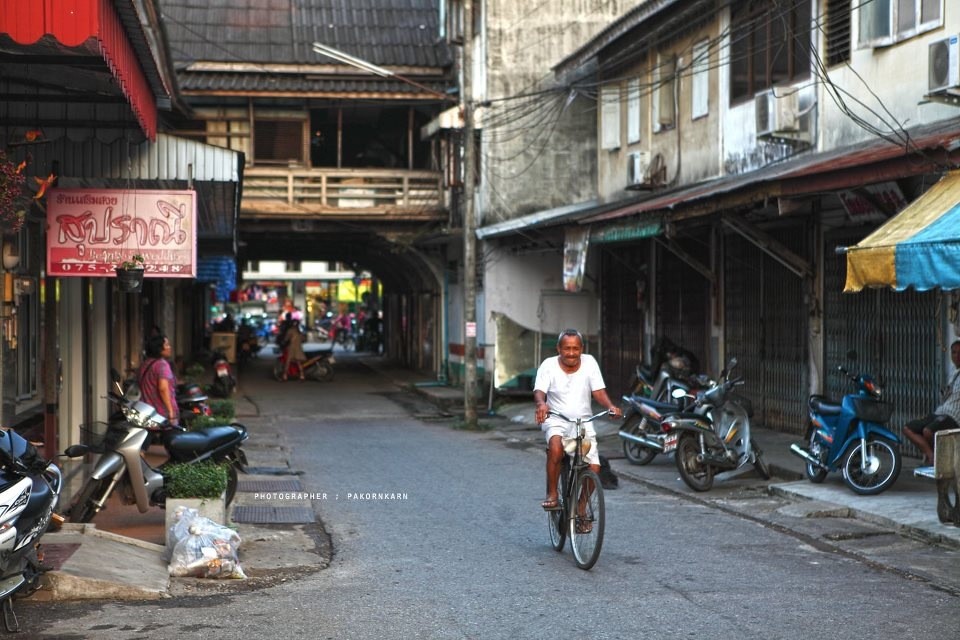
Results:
299 191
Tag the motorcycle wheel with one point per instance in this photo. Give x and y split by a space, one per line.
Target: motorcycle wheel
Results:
321 371
759 464
814 473
83 509
883 467
635 452
696 475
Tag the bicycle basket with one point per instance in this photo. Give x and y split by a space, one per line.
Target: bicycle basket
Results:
872 410
99 437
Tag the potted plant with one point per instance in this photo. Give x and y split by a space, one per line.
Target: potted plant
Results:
130 274
199 485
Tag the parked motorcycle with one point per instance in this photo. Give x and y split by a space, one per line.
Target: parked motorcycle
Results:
318 366
849 435
715 437
671 368
223 381
29 492
122 467
191 401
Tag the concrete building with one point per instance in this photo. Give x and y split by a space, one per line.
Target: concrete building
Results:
739 144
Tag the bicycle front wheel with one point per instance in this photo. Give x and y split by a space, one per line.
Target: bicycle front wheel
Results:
587 519
555 519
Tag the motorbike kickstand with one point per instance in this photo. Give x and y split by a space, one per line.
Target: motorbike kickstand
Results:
10 617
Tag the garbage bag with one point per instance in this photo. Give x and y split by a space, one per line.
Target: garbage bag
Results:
206 552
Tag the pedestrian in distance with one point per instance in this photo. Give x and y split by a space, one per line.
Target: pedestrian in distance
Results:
158 383
567 383
294 346
946 416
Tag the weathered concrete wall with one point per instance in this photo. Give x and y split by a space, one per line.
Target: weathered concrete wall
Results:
537 152
697 138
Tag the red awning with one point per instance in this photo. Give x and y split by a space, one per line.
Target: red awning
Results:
75 22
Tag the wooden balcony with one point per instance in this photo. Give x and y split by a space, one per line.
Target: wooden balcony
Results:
342 193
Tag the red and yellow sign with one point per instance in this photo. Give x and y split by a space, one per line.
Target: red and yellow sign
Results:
91 231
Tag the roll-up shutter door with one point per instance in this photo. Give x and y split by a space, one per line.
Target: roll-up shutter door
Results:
621 314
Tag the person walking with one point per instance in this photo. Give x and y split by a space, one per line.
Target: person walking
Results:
294 345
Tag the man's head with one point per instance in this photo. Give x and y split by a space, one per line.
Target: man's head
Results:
570 347
955 353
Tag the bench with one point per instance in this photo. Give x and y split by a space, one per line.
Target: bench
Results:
946 472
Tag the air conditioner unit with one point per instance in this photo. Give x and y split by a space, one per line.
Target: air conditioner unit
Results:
943 64
780 116
638 166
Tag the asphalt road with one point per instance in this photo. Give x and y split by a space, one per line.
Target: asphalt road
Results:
437 533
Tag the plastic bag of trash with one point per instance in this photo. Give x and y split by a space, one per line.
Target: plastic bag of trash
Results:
206 552
185 517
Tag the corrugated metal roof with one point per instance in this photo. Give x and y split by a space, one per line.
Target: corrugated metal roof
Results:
384 32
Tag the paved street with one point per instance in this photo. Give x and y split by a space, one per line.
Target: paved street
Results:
437 533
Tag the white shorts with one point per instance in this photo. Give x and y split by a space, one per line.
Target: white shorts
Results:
568 432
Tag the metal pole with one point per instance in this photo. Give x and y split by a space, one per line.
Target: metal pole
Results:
469 228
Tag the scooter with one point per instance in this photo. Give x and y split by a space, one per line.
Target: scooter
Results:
318 366
223 381
192 402
671 368
122 467
715 437
849 435
29 493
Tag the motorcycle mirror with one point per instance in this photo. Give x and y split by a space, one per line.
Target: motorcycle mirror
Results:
75 451
678 393
114 375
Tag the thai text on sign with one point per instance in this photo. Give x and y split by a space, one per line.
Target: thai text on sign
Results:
91 231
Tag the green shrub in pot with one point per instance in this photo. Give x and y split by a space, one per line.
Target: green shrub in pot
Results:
195 480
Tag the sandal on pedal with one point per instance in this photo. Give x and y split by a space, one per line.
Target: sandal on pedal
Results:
551 504
584 526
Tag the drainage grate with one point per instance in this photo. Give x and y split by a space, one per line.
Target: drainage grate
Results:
266 486
272 515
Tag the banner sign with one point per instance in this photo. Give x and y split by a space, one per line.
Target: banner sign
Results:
91 231
575 243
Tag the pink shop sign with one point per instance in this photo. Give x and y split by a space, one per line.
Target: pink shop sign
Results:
91 231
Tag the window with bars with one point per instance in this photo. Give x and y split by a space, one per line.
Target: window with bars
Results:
838 32
768 46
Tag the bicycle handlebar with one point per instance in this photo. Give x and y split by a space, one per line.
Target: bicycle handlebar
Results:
553 412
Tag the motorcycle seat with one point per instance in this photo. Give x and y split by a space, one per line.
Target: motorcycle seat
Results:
682 415
186 445
825 406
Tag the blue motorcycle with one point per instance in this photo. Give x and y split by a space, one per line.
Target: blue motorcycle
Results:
850 436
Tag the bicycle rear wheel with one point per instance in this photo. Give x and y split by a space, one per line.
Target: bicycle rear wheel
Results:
587 519
555 519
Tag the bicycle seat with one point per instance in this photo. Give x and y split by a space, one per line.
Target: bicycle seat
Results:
825 406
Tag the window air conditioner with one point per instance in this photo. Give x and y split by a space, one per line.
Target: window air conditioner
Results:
778 116
943 64
638 166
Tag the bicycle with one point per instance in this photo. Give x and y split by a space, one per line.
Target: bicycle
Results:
578 486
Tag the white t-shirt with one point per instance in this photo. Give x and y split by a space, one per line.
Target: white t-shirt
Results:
568 393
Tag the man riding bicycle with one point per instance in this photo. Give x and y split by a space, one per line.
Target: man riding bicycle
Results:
566 384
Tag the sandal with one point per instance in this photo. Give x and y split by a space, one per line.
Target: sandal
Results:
584 526
551 504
